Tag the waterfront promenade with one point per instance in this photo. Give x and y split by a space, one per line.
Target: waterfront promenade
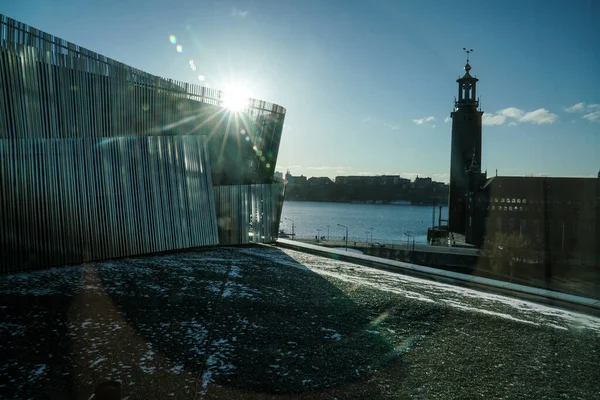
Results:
366 244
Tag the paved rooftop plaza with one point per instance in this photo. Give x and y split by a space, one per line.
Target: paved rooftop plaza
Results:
262 323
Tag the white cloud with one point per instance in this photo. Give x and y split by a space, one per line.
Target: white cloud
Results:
579 107
368 173
238 13
493 119
326 167
594 116
447 119
512 112
424 120
411 175
513 115
441 177
539 116
592 111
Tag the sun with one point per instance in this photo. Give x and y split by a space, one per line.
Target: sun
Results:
235 98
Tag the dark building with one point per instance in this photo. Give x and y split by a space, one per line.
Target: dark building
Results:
466 147
319 181
557 218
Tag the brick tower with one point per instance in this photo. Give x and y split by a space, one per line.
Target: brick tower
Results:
466 147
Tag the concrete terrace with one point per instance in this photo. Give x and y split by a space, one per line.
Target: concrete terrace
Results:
263 322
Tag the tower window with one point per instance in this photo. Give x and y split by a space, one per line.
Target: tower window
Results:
523 225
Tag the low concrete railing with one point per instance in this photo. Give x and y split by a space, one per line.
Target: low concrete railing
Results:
545 296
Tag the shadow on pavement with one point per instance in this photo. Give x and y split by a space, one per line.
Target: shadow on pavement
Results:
209 323
252 319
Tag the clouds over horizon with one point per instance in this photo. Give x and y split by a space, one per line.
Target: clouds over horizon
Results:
375 121
592 111
338 169
514 115
236 13
425 121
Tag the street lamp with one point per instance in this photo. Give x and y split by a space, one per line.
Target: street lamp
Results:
371 228
344 226
409 235
289 219
367 237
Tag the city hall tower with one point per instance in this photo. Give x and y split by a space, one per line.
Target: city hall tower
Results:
465 148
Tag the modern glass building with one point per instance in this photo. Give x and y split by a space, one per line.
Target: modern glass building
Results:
99 159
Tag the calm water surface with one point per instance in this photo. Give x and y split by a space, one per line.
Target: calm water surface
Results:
389 222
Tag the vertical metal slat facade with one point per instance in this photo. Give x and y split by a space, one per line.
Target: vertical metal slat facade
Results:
101 160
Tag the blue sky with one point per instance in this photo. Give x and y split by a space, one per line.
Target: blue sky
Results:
368 85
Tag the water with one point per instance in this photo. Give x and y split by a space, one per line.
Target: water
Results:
389 222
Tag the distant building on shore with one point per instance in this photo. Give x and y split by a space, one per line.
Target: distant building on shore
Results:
361 188
372 180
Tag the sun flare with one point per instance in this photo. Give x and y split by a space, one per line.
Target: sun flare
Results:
235 98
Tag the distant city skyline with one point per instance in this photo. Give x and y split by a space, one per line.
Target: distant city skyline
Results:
369 87
410 176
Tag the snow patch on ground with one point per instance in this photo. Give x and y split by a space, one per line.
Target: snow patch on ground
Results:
38 372
456 297
331 334
488 312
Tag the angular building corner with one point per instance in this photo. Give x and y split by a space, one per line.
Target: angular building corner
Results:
101 160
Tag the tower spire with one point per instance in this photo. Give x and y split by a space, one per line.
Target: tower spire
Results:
467 95
469 51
